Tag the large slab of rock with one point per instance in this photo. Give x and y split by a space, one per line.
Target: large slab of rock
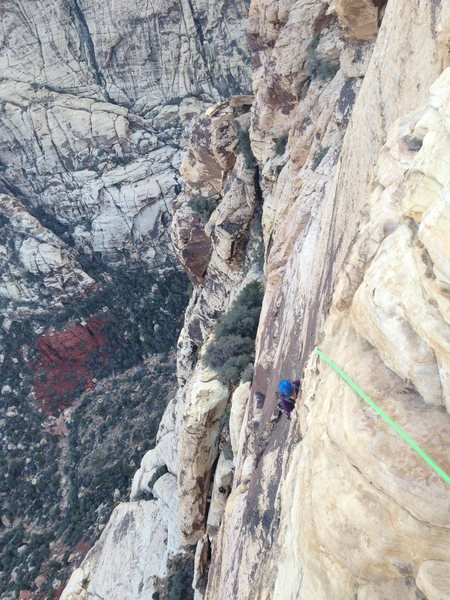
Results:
334 505
434 579
206 399
123 564
239 402
371 497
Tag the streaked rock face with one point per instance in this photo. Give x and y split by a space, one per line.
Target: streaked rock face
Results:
330 506
351 470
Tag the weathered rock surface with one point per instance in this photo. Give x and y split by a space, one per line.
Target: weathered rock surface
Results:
239 402
369 465
36 265
206 167
331 506
193 244
104 572
352 168
223 477
360 16
199 445
210 156
98 101
96 105
433 579
190 439
234 261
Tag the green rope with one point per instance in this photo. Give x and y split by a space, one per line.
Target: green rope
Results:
388 420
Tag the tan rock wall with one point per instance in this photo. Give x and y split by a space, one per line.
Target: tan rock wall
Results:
367 508
312 218
360 16
198 449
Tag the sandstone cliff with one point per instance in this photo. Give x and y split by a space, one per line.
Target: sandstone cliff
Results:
346 186
221 253
336 505
97 100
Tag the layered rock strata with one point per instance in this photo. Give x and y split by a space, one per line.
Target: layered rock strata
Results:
96 105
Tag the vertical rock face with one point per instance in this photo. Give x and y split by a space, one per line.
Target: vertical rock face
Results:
304 496
193 449
372 478
199 437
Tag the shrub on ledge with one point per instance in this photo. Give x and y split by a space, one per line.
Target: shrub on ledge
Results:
233 348
203 206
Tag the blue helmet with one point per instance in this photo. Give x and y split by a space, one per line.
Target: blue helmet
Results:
285 387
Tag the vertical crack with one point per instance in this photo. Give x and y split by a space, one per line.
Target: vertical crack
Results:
201 39
86 39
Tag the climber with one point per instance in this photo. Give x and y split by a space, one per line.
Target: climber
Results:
287 395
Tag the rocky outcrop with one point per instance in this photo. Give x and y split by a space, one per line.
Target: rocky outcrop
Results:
105 574
199 438
388 476
193 444
235 260
239 402
210 156
194 245
37 267
301 494
98 102
362 17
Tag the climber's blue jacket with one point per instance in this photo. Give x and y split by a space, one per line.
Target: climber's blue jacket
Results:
287 403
